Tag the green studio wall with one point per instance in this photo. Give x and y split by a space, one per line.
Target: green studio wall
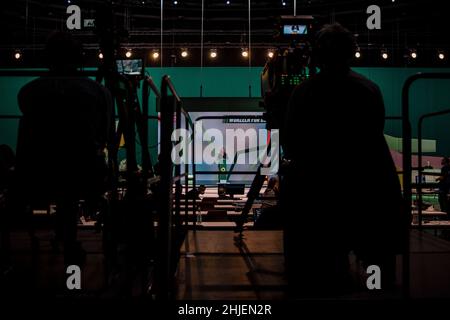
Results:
426 96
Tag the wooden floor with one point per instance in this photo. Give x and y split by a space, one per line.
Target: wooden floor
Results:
44 273
430 266
214 267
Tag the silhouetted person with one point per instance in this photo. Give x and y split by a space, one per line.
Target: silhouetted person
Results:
195 193
337 116
7 167
444 185
67 122
270 217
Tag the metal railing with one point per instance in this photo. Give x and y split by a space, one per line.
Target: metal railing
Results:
168 107
407 166
419 160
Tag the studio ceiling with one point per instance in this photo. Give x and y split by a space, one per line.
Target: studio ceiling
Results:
405 24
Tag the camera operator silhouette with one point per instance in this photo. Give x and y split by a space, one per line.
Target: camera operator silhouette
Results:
334 139
66 125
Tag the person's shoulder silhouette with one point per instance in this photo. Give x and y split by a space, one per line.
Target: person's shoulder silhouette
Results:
341 175
67 118
336 95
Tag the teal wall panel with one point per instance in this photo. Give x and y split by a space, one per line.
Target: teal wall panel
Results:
426 96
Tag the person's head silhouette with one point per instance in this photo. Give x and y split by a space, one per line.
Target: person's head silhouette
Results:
63 53
334 47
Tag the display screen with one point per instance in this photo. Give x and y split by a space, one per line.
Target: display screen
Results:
293 29
130 67
244 122
222 125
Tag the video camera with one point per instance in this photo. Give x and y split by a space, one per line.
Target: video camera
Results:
289 66
130 67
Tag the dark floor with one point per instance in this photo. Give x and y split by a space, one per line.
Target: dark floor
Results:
44 273
213 265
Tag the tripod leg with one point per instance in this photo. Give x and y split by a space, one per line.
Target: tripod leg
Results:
253 193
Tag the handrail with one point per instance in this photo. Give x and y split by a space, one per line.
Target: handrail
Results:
188 121
407 157
148 80
166 241
165 215
146 159
166 82
419 151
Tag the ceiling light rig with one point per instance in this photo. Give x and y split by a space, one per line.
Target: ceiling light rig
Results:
17 55
184 53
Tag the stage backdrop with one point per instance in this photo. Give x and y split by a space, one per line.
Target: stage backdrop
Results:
426 96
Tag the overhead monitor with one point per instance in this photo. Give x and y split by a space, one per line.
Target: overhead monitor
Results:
295 29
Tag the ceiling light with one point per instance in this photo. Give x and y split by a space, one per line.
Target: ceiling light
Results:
128 54
213 53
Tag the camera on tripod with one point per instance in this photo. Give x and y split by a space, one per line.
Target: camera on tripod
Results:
291 64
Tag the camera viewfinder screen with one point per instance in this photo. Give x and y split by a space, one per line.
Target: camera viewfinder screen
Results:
294 29
130 67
